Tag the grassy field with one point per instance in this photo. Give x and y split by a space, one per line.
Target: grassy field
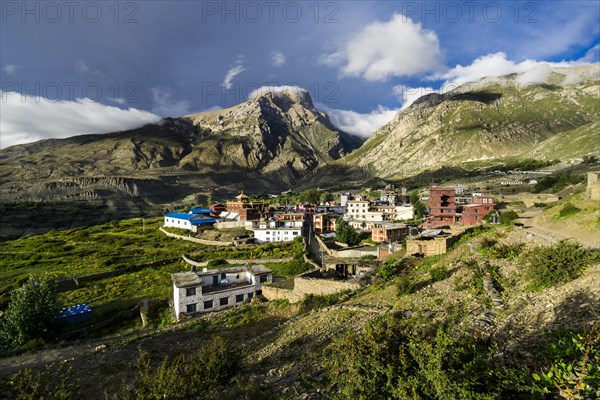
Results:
127 246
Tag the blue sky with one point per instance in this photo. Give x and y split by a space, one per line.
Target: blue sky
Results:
83 67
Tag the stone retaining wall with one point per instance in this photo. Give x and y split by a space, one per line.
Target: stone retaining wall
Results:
234 261
196 240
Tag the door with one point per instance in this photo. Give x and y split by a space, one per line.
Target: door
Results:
216 280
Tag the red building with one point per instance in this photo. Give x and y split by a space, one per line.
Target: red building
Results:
442 206
479 207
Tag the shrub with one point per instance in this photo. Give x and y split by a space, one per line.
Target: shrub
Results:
31 313
388 270
438 274
345 233
55 382
502 251
385 362
572 365
568 210
216 263
563 262
507 217
404 286
187 376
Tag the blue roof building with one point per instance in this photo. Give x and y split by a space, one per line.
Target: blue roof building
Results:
192 221
76 314
204 211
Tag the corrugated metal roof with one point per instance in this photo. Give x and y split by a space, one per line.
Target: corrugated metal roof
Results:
201 211
195 219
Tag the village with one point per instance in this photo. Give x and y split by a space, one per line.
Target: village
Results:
349 238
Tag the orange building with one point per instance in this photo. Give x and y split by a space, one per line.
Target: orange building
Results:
389 233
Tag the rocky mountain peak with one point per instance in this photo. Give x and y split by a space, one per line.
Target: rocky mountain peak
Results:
285 96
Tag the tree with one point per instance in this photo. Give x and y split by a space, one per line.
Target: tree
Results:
508 217
345 233
326 196
418 206
310 196
31 314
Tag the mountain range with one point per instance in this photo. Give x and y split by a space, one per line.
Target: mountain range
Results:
278 139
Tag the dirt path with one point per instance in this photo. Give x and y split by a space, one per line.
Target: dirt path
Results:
532 222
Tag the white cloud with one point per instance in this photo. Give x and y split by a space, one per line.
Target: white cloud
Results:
165 105
236 69
359 124
592 55
277 59
407 95
496 65
83 69
10 69
26 119
398 47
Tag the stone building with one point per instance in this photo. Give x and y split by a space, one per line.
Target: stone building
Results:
593 186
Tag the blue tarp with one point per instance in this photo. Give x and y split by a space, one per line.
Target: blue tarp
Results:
78 313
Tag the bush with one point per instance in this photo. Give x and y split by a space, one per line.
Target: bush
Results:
187 376
31 313
388 270
438 274
507 217
55 382
572 365
563 262
404 286
216 263
385 362
502 251
568 210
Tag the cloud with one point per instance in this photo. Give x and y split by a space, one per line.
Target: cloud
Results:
236 69
592 55
358 124
83 69
10 69
165 105
26 118
277 59
407 95
398 47
496 65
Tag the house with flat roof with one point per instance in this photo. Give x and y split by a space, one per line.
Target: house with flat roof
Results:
193 221
216 289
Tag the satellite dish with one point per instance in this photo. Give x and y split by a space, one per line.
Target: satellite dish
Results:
204 269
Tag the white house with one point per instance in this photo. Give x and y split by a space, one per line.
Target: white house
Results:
191 221
210 290
276 231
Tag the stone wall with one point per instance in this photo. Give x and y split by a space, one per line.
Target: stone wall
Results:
236 261
296 289
196 240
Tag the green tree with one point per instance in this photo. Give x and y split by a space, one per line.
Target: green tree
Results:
310 196
507 217
345 233
31 314
326 196
418 206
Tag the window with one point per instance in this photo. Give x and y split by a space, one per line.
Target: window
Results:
190 291
239 298
208 304
250 295
223 276
224 301
190 308
295 233
259 292
263 278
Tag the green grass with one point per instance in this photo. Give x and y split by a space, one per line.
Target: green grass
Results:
118 245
